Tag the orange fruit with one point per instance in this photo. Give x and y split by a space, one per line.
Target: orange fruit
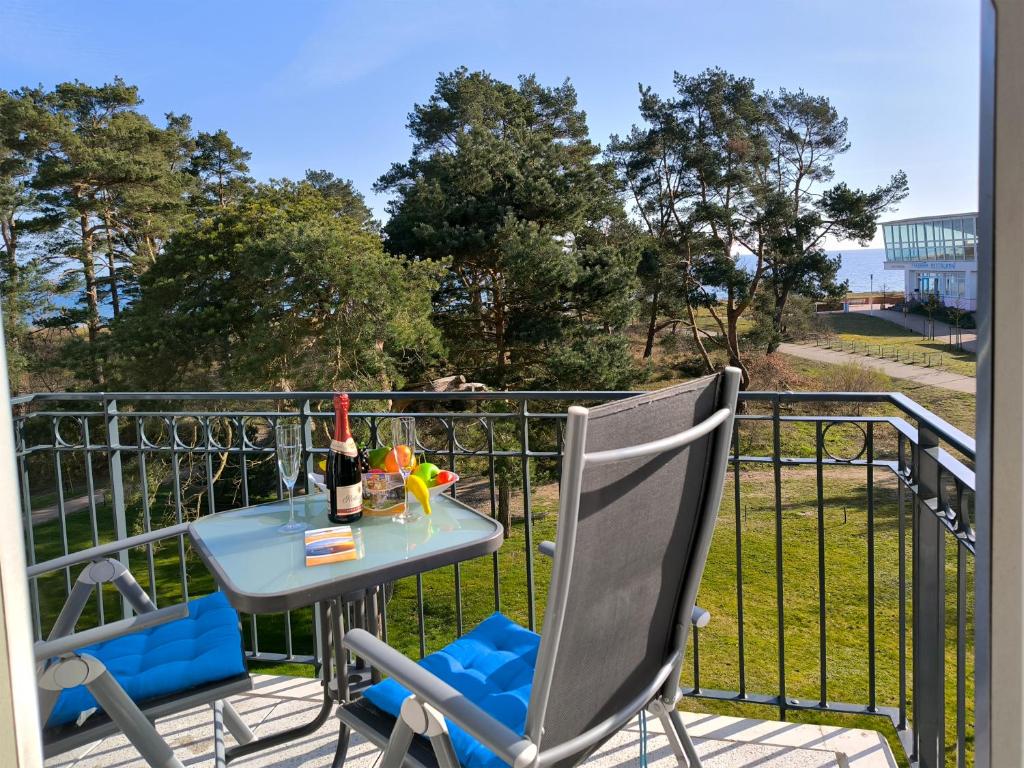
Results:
404 457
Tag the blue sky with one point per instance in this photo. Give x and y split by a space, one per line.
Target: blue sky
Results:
307 84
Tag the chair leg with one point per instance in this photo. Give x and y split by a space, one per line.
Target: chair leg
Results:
398 745
679 727
219 760
444 751
235 725
341 751
125 712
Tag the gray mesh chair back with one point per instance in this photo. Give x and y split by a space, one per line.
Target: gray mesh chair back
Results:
641 484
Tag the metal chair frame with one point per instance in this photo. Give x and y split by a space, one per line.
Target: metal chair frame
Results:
62 666
433 702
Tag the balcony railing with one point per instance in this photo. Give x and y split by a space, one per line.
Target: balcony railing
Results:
840 578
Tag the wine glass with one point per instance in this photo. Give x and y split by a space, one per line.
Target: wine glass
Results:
289 460
403 436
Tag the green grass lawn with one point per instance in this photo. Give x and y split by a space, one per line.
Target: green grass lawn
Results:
844 500
873 331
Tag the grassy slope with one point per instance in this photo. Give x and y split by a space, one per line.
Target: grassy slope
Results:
845 518
865 329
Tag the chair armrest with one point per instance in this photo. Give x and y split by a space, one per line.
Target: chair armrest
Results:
47 649
506 743
699 618
104 550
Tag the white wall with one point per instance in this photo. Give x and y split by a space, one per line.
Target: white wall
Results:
19 719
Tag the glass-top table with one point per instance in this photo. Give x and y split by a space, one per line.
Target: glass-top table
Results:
264 571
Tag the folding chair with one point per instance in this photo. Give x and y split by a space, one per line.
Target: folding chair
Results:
641 484
124 675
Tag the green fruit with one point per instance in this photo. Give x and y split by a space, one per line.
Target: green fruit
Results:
377 455
427 472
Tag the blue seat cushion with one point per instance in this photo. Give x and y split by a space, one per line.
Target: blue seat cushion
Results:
492 666
203 647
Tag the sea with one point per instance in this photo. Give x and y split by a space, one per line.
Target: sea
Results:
859 265
863 268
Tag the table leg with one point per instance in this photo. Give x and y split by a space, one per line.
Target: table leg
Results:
267 742
372 625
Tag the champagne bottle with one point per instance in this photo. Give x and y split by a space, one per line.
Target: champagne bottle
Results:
344 479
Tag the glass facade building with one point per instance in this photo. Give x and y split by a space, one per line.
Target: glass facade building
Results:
937 255
951 238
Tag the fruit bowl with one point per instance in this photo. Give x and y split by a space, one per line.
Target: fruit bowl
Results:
436 490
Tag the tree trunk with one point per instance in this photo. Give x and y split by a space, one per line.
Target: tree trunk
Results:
733 342
8 229
697 340
499 336
91 299
652 326
115 300
777 322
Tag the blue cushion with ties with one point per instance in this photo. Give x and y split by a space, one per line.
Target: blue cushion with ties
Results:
202 648
492 666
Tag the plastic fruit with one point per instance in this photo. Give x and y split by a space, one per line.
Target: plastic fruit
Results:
427 472
444 476
377 455
404 455
418 489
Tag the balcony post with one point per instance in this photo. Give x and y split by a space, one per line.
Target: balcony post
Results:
117 486
929 605
999 578
305 413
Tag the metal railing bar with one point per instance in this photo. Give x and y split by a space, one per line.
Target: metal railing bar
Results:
779 576
946 431
531 596
421 620
901 547
496 573
809 705
289 652
30 544
147 523
179 518
457 568
62 523
277 658
822 636
872 679
90 490
961 657
740 649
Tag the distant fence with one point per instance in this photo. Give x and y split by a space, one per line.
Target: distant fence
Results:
896 352
837 305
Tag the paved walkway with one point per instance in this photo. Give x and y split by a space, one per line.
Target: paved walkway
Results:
281 702
919 324
932 377
52 511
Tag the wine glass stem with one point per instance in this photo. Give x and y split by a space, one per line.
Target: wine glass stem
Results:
291 504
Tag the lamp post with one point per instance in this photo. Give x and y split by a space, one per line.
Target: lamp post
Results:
871 291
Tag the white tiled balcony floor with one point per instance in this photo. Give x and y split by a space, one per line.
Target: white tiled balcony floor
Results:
276 703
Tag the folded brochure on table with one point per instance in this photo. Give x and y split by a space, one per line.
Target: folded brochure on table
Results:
331 545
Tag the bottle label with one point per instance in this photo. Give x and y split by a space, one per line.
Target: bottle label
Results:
345 447
349 499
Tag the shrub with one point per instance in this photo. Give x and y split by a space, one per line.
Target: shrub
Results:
851 377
